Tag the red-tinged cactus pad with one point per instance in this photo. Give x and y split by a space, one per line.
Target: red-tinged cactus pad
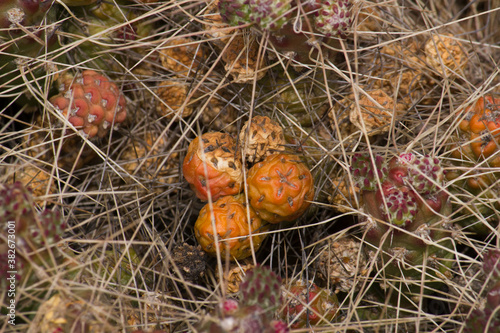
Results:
90 102
408 215
364 172
491 264
333 17
307 304
280 188
262 287
32 232
225 223
212 166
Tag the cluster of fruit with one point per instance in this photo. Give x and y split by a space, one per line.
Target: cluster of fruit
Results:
278 186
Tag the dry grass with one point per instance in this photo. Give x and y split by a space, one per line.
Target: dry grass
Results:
128 206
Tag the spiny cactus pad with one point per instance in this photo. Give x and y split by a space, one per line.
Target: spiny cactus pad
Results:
267 14
333 17
261 286
364 172
280 188
405 216
90 102
35 232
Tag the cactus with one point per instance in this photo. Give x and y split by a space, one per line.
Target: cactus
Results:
488 319
266 14
327 19
261 286
407 212
100 29
254 312
24 37
31 235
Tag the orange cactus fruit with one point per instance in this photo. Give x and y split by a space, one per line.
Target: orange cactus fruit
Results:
481 126
226 222
212 166
280 188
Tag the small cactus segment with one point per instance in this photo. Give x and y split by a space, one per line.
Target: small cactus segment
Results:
401 207
404 203
333 17
491 264
231 317
267 14
225 221
91 103
424 174
306 304
280 188
265 137
488 319
35 232
262 287
259 299
212 166
235 12
364 172
19 23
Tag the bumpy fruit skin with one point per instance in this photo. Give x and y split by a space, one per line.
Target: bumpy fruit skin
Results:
307 304
91 102
212 166
232 227
407 210
481 130
280 188
478 143
265 137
